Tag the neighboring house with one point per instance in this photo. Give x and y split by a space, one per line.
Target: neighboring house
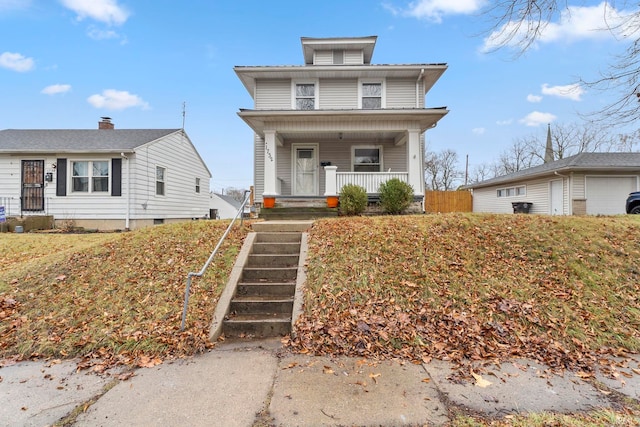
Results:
587 183
338 119
224 207
104 178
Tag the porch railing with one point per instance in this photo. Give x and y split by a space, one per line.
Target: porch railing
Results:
370 181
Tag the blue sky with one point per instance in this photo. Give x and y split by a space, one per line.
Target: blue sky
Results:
66 63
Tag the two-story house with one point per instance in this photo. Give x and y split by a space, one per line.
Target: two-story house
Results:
338 119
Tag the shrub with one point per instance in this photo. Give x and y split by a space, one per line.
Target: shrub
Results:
395 196
353 199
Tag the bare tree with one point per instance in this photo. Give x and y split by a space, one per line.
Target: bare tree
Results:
441 170
569 139
235 193
517 157
521 23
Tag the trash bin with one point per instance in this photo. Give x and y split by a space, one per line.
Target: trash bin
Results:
521 207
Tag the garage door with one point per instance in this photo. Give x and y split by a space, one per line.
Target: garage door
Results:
606 195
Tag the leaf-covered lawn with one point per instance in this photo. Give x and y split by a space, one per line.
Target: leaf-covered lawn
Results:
468 287
114 299
561 290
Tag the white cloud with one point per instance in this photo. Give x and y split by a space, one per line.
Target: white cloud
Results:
536 118
16 62
56 89
112 99
434 10
573 91
504 122
107 11
478 131
575 23
534 98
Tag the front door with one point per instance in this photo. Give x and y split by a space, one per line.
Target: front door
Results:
33 185
305 170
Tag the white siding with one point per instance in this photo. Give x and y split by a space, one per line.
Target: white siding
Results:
401 93
273 95
323 57
177 155
353 57
339 94
487 200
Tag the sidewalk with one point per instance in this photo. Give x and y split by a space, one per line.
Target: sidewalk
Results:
259 385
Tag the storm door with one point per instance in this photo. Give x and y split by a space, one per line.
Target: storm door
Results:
305 170
33 185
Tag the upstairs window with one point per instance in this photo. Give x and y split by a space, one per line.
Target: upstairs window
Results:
371 95
161 174
367 159
197 185
90 177
305 96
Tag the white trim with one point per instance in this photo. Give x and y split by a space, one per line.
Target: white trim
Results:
514 188
164 181
382 81
90 191
316 176
353 154
316 92
562 198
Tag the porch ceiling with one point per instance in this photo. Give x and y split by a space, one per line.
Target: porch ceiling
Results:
342 124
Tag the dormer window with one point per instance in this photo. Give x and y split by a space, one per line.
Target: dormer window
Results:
305 96
338 57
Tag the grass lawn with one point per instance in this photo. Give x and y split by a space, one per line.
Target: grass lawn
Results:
561 290
111 298
462 287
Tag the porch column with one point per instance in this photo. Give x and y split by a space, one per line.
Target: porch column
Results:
270 178
330 181
414 162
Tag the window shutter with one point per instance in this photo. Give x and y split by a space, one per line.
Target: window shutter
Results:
116 177
61 177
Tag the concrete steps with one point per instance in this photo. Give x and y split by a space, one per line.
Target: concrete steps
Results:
263 302
297 213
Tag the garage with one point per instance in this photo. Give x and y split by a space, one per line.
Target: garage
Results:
606 194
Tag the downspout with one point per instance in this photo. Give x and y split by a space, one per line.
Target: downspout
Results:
127 213
418 87
570 192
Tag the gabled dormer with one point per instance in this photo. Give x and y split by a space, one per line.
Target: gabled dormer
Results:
338 51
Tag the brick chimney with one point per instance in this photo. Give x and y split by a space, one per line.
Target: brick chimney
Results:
105 123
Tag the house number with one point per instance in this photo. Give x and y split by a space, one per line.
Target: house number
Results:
266 149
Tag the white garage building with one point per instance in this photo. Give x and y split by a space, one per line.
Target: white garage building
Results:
587 183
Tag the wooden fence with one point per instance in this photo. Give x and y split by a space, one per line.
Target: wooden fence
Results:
448 201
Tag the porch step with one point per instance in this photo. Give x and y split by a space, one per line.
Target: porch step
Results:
263 302
298 213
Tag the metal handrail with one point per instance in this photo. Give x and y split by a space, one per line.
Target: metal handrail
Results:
213 254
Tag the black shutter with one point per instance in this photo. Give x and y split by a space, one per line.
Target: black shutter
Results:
116 177
61 177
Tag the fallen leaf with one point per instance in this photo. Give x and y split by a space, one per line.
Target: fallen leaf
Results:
327 370
426 380
374 377
480 382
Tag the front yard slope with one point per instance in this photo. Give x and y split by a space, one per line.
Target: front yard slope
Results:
469 287
118 301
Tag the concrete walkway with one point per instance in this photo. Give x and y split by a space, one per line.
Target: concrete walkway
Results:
258 384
